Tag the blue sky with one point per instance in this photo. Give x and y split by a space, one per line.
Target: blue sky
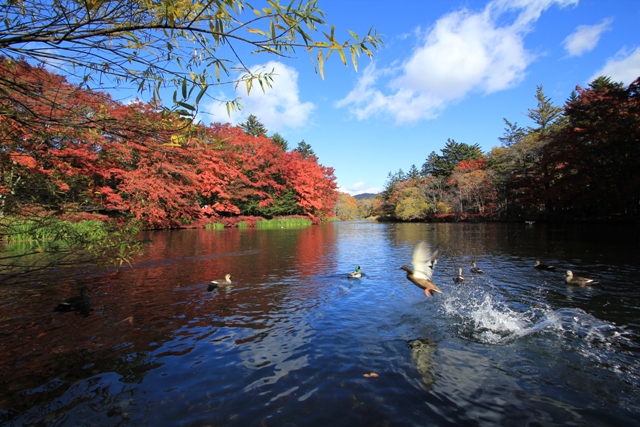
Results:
448 69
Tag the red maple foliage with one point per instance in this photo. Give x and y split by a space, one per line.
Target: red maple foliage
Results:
71 149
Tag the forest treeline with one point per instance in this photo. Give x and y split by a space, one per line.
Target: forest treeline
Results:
578 162
76 153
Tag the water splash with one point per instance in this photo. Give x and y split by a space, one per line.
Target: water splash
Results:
487 319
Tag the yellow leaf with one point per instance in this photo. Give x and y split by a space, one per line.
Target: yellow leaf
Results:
321 64
342 57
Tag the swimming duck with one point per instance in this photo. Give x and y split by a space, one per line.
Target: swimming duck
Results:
580 281
80 303
357 274
215 283
459 278
225 281
474 268
423 261
540 266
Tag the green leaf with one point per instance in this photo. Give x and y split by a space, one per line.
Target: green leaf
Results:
187 106
201 94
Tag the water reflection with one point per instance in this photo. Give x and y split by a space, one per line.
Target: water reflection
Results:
423 355
293 333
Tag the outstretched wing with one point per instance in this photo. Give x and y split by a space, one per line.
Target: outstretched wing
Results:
424 260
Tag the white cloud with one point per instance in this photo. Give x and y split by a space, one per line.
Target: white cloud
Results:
463 52
358 188
623 67
278 107
585 37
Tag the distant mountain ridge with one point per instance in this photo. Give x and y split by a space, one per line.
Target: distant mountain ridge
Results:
365 196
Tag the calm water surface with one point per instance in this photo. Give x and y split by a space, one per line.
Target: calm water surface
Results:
291 340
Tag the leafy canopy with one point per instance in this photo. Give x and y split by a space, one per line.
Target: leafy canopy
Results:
452 154
186 44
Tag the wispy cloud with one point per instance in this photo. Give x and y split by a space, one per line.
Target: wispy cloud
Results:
623 67
585 37
463 52
278 107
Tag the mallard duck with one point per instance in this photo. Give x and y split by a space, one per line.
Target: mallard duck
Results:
80 303
423 261
541 266
459 278
580 281
357 274
474 268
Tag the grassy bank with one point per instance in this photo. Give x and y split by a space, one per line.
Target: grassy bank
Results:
245 222
275 223
52 229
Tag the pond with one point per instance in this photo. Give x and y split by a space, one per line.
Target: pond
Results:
293 341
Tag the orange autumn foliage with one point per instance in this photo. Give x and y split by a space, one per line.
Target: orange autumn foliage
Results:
139 161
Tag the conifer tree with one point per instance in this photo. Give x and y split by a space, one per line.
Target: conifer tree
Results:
253 126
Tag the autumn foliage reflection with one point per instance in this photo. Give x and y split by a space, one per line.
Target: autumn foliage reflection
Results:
160 307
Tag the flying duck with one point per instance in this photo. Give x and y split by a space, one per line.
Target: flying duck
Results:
423 261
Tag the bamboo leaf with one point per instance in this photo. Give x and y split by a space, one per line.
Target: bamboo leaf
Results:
354 59
187 106
201 94
273 33
321 64
342 56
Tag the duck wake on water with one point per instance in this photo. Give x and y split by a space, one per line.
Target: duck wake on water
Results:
486 319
